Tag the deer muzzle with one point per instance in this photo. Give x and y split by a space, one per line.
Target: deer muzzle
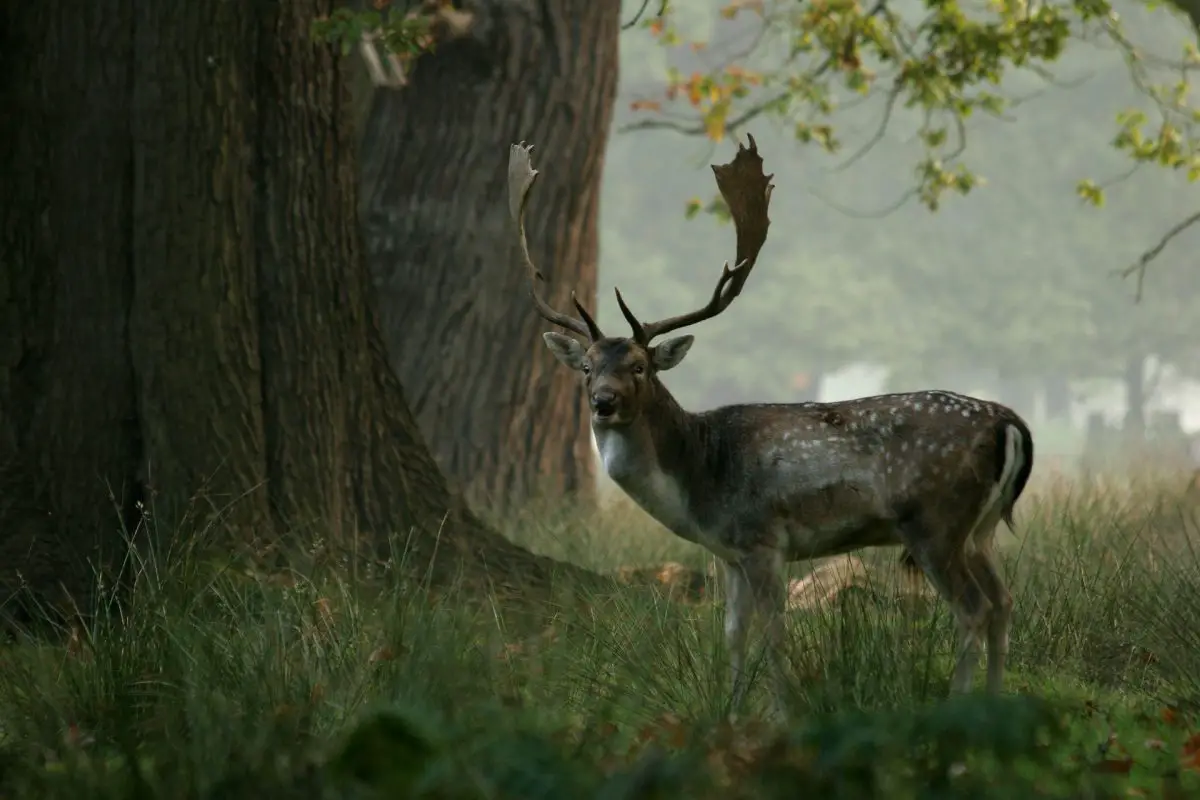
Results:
604 403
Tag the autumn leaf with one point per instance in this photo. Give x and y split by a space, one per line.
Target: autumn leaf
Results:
382 653
714 122
510 650
77 643
74 737
324 611
667 729
1113 766
1191 753
730 11
694 89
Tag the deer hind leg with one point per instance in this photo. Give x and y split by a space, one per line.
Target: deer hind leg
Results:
946 565
987 574
770 597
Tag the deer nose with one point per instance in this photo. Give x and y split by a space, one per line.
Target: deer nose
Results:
604 402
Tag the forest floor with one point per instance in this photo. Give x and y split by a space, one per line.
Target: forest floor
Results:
215 681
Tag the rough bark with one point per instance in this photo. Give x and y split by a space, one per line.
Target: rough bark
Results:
500 417
67 398
186 317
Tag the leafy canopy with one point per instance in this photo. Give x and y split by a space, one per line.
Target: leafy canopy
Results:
936 62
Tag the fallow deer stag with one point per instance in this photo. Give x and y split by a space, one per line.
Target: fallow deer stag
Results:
759 485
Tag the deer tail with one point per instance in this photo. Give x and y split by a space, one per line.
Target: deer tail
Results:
1014 443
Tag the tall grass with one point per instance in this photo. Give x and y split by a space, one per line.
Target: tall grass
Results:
210 679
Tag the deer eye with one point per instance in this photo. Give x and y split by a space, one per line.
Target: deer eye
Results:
587 369
639 369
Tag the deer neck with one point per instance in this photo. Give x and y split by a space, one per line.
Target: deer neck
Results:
660 444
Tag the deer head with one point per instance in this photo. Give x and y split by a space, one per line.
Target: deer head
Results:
620 374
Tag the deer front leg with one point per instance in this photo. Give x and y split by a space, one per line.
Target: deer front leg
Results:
739 614
756 582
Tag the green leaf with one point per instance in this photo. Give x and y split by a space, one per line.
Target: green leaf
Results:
1090 192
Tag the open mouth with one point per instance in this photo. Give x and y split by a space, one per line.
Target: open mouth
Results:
604 415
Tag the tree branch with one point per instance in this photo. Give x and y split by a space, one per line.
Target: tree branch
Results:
698 128
1138 268
892 96
662 10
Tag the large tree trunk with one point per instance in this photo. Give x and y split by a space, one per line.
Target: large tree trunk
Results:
186 320
500 416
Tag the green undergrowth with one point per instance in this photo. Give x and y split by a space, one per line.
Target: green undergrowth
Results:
211 680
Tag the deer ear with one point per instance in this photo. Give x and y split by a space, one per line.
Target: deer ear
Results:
566 349
671 352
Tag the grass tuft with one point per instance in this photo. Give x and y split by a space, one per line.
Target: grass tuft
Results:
208 679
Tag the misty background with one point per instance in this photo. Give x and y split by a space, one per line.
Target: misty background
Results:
1010 293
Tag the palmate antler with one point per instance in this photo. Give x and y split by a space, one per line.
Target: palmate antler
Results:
521 177
747 192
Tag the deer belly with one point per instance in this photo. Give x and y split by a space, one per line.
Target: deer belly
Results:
836 538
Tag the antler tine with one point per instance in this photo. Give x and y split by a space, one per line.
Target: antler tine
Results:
747 192
639 332
521 177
